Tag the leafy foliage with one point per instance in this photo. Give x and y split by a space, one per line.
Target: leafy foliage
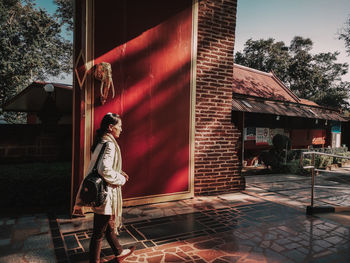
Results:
31 48
265 55
345 35
65 13
275 157
315 77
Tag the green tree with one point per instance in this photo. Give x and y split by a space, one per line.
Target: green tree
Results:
301 72
65 13
310 76
265 55
330 89
345 35
31 48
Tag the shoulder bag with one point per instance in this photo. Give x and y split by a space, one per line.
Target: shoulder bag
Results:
94 189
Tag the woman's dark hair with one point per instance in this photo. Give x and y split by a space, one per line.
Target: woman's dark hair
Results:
109 118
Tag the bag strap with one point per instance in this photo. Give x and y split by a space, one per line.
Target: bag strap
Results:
99 156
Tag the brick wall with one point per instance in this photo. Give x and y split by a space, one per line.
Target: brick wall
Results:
217 140
21 143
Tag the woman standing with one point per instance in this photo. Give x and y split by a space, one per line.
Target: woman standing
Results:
107 217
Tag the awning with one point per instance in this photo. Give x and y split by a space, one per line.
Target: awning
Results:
32 98
285 109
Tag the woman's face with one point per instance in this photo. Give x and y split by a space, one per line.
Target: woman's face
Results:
115 130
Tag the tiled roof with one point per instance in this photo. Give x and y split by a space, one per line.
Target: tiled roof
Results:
251 82
284 109
308 102
261 92
32 98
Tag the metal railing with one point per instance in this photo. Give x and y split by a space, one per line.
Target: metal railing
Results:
313 169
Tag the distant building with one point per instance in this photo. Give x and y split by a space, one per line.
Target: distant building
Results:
42 105
263 107
47 135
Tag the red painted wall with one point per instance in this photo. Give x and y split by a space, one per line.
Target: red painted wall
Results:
148 44
302 138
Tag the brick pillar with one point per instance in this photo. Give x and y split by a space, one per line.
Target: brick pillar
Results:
217 140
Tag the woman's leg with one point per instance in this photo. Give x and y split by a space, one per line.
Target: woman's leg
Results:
100 226
112 237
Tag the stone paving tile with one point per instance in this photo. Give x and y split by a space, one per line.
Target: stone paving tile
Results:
297 188
26 239
259 231
265 223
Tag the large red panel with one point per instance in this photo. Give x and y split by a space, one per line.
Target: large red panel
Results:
302 138
148 44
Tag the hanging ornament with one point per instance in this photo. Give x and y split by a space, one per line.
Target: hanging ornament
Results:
103 72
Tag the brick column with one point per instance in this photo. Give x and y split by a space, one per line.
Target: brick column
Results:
217 140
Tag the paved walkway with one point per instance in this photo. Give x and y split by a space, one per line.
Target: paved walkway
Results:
265 223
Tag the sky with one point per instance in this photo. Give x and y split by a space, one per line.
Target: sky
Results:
48 5
319 20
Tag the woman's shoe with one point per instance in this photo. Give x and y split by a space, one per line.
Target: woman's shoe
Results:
116 259
108 259
125 253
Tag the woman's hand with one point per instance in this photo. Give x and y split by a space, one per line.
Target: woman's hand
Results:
125 175
78 211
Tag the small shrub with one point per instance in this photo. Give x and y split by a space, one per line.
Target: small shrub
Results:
35 185
306 162
281 142
324 161
292 167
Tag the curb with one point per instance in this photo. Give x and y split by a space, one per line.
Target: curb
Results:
326 209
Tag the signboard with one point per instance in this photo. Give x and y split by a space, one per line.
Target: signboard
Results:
336 128
249 134
318 137
262 136
336 138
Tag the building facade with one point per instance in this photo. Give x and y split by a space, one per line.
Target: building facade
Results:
167 69
265 107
